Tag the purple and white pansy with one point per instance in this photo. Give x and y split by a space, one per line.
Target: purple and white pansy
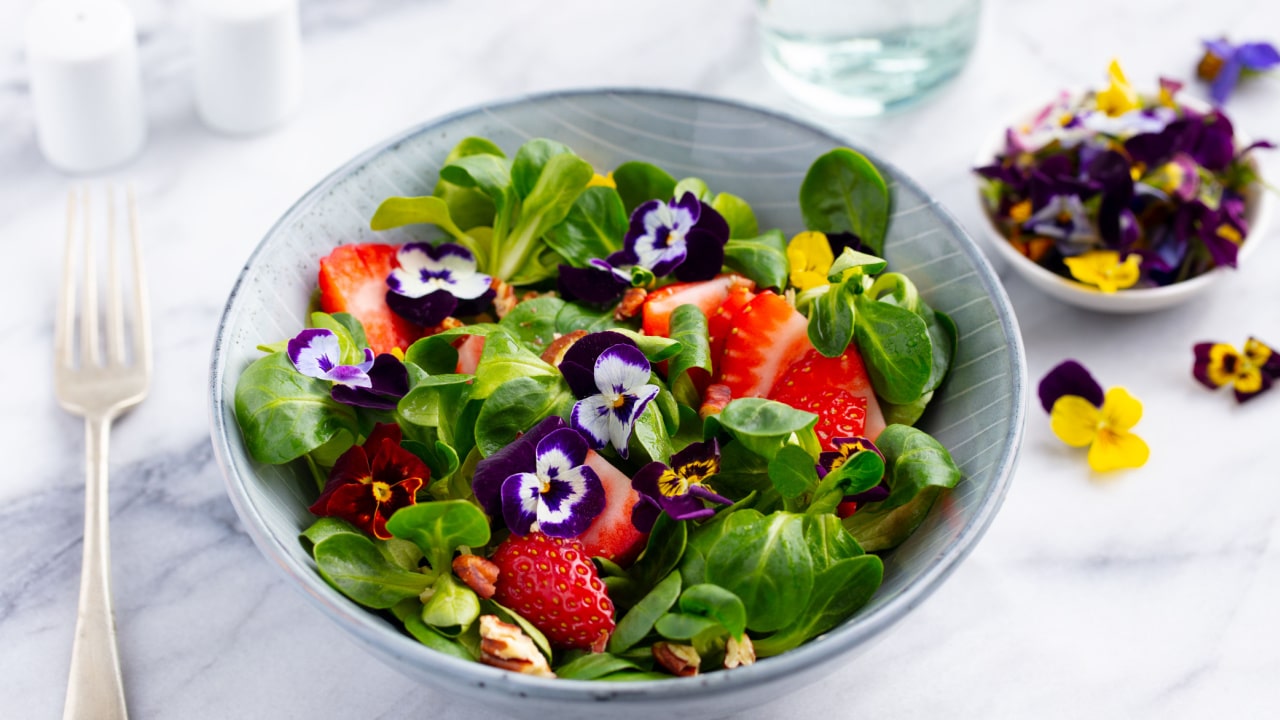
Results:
434 282
561 496
377 383
610 377
678 488
316 353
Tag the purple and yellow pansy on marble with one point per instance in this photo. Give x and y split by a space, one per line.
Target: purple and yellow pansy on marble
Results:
560 495
436 281
1081 414
1249 373
678 488
316 353
609 375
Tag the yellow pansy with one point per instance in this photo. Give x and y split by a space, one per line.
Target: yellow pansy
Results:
599 180
810 257
1119 97
1103 269
1105 430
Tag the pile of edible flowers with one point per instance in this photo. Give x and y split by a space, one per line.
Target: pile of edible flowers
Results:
1118 190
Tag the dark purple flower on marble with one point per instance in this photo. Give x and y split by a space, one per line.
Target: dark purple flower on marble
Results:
520 455
1069 378
316 353
621 375
434 282
388 382
680 488
1224 63
560 495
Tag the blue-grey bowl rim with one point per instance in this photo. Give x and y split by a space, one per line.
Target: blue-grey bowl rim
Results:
372 629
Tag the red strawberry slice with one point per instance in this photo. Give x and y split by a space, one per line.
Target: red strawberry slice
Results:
469 352
612 535
721 321
766 337
837 390
353 279
707 295
552 583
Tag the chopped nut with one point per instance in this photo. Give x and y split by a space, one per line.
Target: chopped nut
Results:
716 397
534 295
504 297
681 660
506 646
738 653
632 301
448 323
478 573
558 347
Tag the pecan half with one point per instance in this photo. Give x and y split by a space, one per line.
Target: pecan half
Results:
506 646
478 573
632 301
448 323
738 653
558 347
681 660
504 297
716 397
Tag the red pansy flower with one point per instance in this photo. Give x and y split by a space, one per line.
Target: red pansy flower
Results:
371 481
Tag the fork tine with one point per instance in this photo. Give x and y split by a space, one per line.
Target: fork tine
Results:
115 310
91 348
62 349
142 316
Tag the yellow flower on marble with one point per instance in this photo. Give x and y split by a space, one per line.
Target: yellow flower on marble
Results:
1105 430
1119 97
1104 270
599 180
810 257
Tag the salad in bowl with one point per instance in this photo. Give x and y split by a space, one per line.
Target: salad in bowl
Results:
604 426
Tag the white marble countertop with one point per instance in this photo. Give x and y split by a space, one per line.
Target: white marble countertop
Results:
1151 593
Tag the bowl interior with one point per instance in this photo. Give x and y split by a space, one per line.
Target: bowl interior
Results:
752 153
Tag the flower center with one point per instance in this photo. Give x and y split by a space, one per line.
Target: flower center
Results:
381 492
619 401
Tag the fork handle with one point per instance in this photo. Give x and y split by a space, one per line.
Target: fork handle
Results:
96 688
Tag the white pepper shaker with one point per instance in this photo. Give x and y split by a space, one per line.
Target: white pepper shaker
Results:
85 85
248 63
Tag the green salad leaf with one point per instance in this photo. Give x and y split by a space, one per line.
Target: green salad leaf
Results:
762 258
639 182
284 414
843 192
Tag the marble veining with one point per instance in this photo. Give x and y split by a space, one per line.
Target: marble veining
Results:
1146 594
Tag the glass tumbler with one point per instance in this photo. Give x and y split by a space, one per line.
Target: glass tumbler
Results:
863 57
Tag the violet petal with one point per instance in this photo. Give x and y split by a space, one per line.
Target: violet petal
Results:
429 310
592 285
1069 378
519 456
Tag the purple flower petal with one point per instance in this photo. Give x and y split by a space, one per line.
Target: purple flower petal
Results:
1225 82
560 451
578 365
521 493
314 352
428 310
389 381
573 501
645 513
1258 56
1069 378
620 369
1215 148
702 458
1200 369
705 493
686 507
590 416
562 497
519 456
658 232
592 285
704 259
845 447
426 269
476 305
875 494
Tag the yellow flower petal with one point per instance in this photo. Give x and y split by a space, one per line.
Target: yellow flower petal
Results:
1120 97
1224 364
599 180
1117 450
808 279
1120 410
809 254
1074 420
1103 269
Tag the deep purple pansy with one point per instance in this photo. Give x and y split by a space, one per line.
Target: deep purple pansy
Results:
316 353
1249 373
434 282
1225 63
1069 378
846 447
388 382
608 413
520 455
560 495
678 488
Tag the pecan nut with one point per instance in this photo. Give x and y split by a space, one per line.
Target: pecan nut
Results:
632 301
506 646
504 298
738 653
680 660
478 573
557 348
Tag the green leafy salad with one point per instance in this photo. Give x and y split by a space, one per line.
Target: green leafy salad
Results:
605 426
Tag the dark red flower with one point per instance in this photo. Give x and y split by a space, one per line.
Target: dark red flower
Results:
371 481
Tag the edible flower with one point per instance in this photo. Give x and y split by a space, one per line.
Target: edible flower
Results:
598 180
520 455
434 282
561 497
809 254
1082 415
1119 97
830 460
389 382
1249 373
614 393
679 488
1224 64
1104 270
1065 220
316 353
371 481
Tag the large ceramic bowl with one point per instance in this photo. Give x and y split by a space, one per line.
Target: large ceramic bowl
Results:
752 153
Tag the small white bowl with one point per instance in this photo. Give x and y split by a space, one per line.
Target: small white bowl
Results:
1258 207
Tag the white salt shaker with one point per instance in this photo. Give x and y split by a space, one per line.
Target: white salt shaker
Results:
248 63
85 84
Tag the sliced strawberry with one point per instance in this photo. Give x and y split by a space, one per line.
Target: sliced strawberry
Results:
552 583
469 352
720 322
766 337
612 535
353 279
838 390
708 295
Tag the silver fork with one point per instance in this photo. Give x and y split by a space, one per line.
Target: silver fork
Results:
100 389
